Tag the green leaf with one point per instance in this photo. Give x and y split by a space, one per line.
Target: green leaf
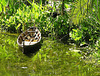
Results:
4 3
40 57
4 10
29 2
36 15
85 28
36 7
18 26
80 11
74 30
35 57
78 38
0 8
66 6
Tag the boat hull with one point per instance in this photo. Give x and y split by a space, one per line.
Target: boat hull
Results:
30 49
29 40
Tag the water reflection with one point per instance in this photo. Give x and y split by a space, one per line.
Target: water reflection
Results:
52 58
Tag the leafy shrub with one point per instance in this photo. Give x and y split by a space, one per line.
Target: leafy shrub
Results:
39 16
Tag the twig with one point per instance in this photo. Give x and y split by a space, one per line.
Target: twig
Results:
63 37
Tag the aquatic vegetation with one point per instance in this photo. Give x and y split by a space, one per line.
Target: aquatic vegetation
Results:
7 45
53 58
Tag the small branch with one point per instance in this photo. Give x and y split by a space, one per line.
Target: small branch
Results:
63 37
62 12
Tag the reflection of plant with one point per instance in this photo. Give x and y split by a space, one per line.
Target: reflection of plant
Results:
7 46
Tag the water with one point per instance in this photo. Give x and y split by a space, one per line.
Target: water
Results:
52 59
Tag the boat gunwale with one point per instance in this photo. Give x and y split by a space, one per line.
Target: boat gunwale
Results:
21 45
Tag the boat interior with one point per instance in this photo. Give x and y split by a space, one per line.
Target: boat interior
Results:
29 37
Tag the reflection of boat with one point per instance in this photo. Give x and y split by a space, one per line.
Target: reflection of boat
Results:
30 37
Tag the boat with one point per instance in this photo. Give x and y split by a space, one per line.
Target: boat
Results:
31 37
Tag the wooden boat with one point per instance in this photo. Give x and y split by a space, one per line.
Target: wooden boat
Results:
30 37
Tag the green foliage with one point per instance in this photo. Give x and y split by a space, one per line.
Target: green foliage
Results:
87 21
52 56
94 15
28 16
38 15
80 10
85 33
76 34
61 25
8 7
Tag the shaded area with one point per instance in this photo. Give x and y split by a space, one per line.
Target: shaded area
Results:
30 50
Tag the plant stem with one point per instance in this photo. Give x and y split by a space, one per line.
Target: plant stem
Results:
62 12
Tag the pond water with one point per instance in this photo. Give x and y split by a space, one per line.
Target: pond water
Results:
52 59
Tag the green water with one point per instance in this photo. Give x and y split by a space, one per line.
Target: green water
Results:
52 59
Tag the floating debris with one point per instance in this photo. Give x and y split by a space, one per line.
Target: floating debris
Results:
76 50
24 67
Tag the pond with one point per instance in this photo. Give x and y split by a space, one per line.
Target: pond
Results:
52 59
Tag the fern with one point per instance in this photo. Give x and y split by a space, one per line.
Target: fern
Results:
80 10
